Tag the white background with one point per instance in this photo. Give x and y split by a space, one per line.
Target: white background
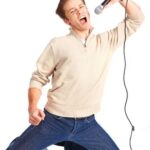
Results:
26 26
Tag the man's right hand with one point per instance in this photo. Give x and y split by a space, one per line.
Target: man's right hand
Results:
36 116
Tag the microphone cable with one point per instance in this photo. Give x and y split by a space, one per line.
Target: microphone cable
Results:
124 81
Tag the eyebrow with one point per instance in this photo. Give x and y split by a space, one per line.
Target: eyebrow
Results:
71 9
75 8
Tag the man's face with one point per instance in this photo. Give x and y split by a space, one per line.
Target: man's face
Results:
77 15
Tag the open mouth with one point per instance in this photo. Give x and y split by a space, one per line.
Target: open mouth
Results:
83 20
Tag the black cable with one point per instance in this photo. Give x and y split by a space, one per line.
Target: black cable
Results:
124 73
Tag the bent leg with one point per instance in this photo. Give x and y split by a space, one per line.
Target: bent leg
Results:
48 132
33 138
94 137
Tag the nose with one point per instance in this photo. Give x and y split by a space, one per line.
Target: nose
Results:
78 11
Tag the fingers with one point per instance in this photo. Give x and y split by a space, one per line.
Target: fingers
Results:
36 117
33 121
42 114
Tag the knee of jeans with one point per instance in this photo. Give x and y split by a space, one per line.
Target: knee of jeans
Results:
12 143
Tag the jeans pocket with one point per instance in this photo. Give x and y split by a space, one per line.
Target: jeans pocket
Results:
58 117
89 119
52 115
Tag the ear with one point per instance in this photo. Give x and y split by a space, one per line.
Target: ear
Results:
67 21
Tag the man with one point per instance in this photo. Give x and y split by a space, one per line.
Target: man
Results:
78 64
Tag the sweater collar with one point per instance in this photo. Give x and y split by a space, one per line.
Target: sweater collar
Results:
72 32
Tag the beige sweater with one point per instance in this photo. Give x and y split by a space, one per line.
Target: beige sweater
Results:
78 70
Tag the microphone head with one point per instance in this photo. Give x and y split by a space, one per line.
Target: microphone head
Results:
98 10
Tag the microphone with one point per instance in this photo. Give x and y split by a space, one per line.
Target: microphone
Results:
99 9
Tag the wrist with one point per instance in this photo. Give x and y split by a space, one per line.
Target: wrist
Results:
31 109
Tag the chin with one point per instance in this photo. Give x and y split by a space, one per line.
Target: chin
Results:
86 27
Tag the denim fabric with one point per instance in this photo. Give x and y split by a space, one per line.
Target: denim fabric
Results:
73 146
54 129
68 145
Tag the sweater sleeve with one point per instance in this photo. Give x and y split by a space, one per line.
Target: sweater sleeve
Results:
115 37
45 67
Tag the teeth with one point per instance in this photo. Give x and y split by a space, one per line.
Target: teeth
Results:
82 17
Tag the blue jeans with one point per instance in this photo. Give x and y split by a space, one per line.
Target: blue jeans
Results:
55 129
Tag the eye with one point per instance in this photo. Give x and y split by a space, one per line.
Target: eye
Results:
72 11
82 6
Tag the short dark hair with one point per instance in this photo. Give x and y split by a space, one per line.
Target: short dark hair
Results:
60 8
